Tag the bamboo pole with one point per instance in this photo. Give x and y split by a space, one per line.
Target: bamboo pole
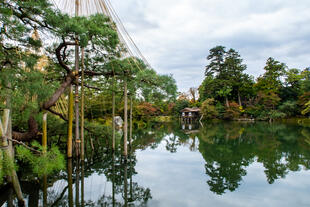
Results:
82 109
113 115
70 123
44 136
125 118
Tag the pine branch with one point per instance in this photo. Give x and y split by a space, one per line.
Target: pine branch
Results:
22 143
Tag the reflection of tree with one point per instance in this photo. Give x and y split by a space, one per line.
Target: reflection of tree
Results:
225 161
112 166
229 147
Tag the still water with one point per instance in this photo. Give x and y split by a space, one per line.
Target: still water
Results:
219 164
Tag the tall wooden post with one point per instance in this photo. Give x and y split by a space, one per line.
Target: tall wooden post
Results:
82 108
77 128
125 185
70 183
77 183
82 183
70 123
7 153
45 190
125 118
44 136
130 124
113 179
113 114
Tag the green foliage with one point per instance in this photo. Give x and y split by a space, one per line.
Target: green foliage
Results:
6 165
290 108
208 109
180 105
225 78
268 100
42 164
275 114
270 81
307 109
233 111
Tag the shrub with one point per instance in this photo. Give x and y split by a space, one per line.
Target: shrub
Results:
289 107
208 109
233 111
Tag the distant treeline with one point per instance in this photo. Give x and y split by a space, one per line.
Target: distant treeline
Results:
227 92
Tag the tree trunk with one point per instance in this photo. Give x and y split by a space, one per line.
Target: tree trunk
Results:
125 118
239 99
227 102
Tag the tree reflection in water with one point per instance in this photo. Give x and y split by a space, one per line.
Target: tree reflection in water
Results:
228 149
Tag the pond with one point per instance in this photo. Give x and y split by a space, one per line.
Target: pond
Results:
217 164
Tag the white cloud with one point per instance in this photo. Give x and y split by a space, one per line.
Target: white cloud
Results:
176 35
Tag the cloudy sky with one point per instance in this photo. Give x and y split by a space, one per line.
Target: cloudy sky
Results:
176 35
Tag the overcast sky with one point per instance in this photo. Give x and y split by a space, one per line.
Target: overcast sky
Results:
176 35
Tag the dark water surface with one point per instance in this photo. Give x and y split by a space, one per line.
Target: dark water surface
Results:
219 164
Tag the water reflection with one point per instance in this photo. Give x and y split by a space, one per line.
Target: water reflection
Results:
228 150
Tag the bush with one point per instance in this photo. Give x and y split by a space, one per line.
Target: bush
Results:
233 111
208 109
271 115
252 111
220 108
289 107
274 114
42 164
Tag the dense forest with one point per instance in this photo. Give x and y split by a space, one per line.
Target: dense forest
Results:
228 92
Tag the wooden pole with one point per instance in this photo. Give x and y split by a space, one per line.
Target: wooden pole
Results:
125 118
77 128
82 109
70 123
125 185
77 183
45 190
70 183
7 153
113 179
130 124
44 136
82 183
113 114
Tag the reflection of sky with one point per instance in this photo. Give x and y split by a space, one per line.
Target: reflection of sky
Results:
179 180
